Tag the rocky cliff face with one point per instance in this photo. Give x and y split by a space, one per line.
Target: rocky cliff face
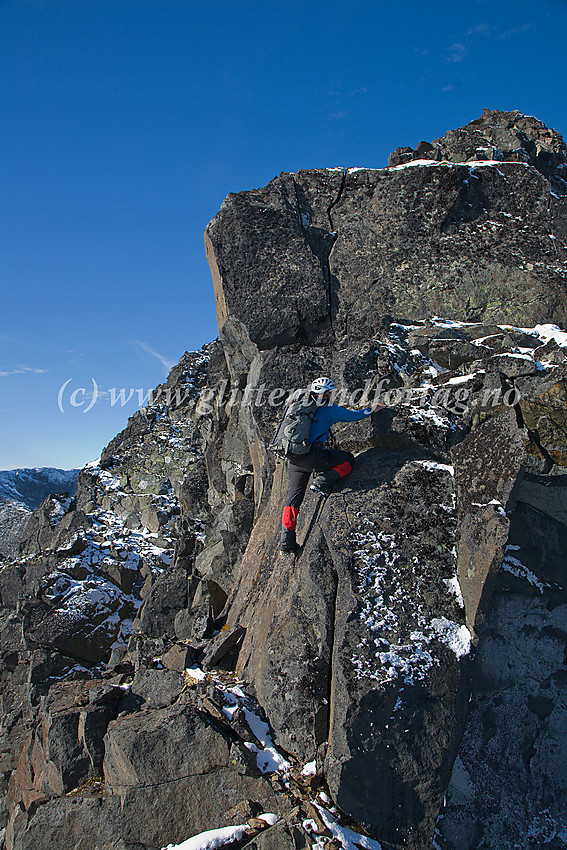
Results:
167 671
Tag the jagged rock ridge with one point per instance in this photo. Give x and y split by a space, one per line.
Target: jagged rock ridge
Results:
358 651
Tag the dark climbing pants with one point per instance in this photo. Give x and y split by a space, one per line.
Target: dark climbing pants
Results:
318 460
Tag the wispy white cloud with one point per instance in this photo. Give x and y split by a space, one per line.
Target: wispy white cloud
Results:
459 50
342 101
497 32
482 29
145 347
448 88
456 52
100 395
514 31
22 370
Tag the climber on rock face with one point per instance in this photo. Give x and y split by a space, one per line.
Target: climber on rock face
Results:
331 465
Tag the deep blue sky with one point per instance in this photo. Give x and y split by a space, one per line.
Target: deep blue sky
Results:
126 122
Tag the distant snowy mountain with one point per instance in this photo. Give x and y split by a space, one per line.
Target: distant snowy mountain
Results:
31 486
23 490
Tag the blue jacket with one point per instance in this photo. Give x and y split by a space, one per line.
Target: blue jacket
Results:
329 414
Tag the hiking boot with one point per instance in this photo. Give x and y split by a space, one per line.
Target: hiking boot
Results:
322 486
324 483
288 543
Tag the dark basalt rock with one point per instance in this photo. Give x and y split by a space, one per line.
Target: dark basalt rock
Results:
167 596
517 718
149 754
284 264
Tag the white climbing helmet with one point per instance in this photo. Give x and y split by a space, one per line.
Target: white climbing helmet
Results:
322 385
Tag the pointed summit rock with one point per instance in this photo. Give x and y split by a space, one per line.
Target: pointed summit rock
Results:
473 227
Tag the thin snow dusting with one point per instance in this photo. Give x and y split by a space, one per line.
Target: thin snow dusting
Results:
196 673
550 332
383 656
417 163
269 818
441 322
58 509
542 334
512 356
410 661
494 163
309 769
107 481
434 465
432 417
461 379
401 636
95 581
472 164
214 838
454 587
494 502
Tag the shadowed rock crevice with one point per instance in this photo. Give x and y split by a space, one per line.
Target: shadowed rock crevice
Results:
332 282
319 232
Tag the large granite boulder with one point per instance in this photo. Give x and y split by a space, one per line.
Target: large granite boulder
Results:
362 632
487 464
176 771
14 518
69 823
428 223
268 252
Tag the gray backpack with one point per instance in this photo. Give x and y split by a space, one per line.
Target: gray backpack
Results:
292 434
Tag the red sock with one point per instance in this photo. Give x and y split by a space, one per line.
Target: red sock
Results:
343 468
289 518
